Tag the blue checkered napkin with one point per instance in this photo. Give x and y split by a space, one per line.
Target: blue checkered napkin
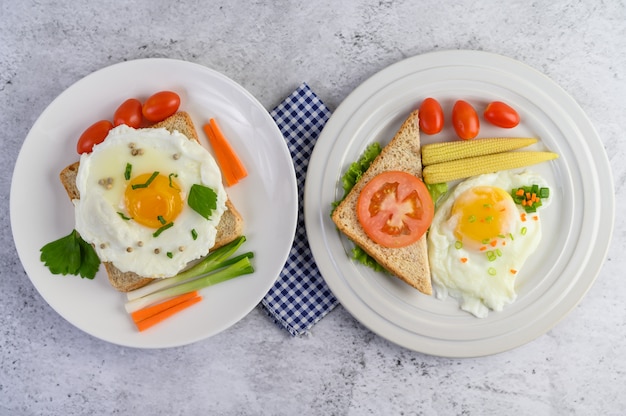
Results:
300 296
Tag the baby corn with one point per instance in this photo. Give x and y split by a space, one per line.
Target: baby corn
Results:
447 151
471 166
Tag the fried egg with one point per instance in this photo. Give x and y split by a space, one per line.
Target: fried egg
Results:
480 238
133 208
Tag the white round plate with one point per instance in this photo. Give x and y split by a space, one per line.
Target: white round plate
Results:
577 225
267 199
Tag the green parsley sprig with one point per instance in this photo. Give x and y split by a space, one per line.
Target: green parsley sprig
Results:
203 200
71 255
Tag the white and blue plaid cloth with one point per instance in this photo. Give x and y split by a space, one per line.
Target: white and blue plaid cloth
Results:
300 297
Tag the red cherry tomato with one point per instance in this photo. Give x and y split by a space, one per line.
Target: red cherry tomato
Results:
395 209
161 105
129 113
501 115
96 133
465 120
431 116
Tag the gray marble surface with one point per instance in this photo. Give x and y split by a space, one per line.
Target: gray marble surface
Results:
48 367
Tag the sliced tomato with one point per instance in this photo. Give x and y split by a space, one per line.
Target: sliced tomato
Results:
395 209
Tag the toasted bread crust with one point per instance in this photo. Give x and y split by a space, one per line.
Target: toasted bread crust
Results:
409 263
229 228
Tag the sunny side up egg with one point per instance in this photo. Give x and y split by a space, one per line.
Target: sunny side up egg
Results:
133 208
480 238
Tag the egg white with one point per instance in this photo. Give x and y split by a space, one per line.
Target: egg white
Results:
130 246
478 281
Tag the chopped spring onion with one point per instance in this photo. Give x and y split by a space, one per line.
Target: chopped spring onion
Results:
160 230
148 182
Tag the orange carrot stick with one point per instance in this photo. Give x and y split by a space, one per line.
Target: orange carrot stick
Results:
220 155
148 311
236 166
230 164
161 316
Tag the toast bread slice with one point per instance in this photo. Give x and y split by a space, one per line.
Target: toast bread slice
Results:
409 263
229 228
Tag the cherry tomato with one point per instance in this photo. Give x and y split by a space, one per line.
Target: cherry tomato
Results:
161 105
431 116
501 115
395 209
96 133
465 120
129 113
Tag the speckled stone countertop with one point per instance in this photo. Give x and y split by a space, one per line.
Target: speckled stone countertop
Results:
49 367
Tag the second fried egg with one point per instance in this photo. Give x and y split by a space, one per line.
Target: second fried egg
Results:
480 238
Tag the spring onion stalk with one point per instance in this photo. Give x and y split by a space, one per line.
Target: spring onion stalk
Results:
216 259
241 267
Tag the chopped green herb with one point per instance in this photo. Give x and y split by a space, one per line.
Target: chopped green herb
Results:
458 245
160 230
529 197
170 254
128 171
170 178
491 271
148 182
523 231
202 199
194 234
161 219
124 217
472 218
71 255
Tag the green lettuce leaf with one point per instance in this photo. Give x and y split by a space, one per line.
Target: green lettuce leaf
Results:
349 179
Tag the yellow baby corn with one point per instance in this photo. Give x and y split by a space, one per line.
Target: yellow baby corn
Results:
447 151
471 166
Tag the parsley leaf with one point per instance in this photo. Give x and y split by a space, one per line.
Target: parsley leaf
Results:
202 199
71 255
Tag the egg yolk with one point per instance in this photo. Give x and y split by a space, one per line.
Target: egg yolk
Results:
483 213
153 200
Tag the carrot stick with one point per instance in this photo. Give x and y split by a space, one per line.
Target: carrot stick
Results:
161 316
147 312
236 165
220 155
230 164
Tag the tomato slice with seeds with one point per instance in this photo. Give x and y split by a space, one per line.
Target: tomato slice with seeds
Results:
395 209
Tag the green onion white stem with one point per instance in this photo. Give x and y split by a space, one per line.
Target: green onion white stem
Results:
239 268
213 261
